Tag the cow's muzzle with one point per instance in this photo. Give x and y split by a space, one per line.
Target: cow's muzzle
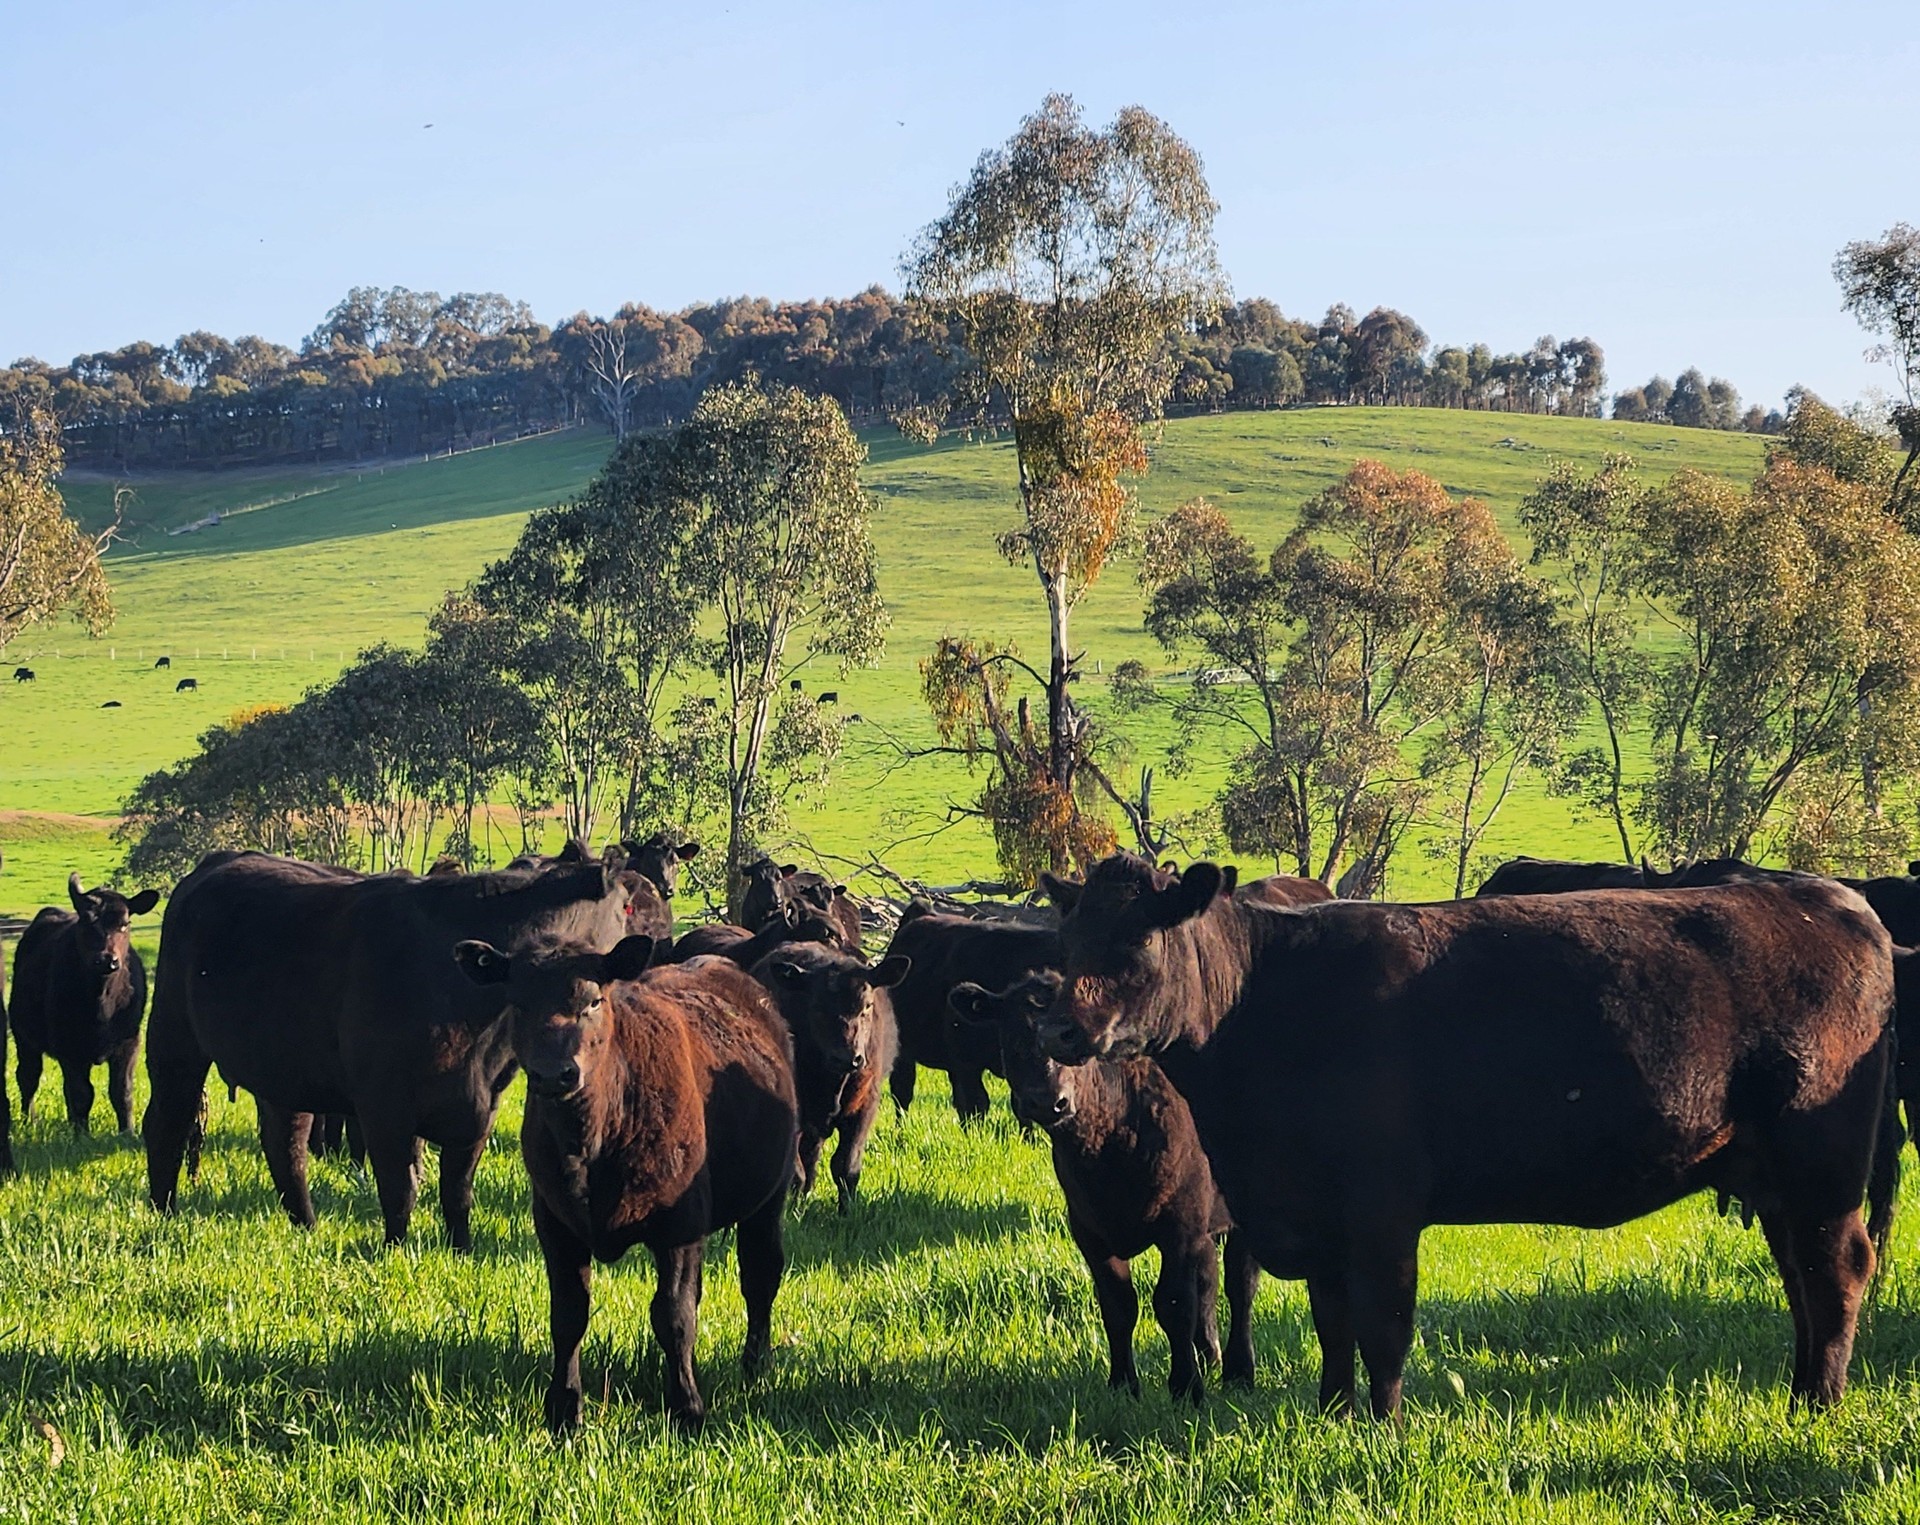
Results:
557 1084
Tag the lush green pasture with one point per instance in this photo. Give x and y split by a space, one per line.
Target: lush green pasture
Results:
278 595
939 1353
938 1358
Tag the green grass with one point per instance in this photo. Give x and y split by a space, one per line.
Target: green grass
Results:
277 597
938 1358
939 1353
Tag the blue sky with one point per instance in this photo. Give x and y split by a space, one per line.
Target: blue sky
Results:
1671 179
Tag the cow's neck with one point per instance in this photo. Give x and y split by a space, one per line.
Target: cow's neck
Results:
1207 962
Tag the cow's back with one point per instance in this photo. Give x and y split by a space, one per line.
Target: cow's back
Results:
1559 1059
946 951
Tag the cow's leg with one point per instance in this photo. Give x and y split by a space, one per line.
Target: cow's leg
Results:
970 1097
283 1134
1384 1281
761 1249
900 1083
176 1116
120 1062
1332 1310
458 1163
26 1069
76 1084
806 1162
1119 1303
395 1156
1773 1224
6 1104
851 1150
1176 1305
1206 1336
1835 1257
1243 1281
676 1317
569 1293
356 1140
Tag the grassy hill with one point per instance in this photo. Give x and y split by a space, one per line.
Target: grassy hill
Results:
308 568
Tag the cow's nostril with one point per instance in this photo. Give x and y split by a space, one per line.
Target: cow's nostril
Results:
859 1061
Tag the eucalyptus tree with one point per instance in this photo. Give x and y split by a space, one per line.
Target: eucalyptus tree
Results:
48 563
1066 264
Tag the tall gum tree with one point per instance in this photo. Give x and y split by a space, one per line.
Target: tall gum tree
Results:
1067 263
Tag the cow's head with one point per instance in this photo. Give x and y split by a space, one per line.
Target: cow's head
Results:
660 857
832 1000
1044 1091
105 924
567 899
557 1003
1115 942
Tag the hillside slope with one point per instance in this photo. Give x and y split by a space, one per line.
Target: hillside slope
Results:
318 565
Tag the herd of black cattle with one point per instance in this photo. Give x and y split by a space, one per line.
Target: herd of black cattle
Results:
1315 1080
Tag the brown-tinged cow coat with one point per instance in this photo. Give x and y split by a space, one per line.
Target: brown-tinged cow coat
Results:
1135 1177
1358 1072
323 990
660 1107
844 1040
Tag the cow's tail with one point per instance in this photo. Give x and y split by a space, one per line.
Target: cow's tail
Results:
1883 1177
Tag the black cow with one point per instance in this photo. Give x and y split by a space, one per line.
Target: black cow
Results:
79 992
795 922
945 951
657 860
1358 1072
186 685
6 1106
111 704
23 675
844 1040
770 885
1555 876
1135 1177
323 990
161 662
660 1107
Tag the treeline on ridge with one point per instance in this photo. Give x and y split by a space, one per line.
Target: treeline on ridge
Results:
392 372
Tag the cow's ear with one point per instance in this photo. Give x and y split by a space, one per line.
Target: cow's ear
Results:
971 1002
687 850
1189 897
891 970
1229 879
1913 869
629 959
74 893
1062 892
143 902
788 870
483 963
1042 991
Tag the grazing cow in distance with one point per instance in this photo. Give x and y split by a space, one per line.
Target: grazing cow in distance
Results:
111 704
1358 1072
187 685
322 990
843 1044
161 662
1554 876
829 697
1135 1177
79 992
660 1107
23 675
